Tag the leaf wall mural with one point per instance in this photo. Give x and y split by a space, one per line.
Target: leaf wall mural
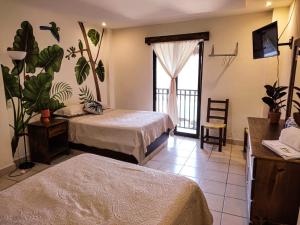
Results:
82 70
84 65
25 41
50 59
33 95
85 95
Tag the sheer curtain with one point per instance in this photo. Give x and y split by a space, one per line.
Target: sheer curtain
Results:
173 56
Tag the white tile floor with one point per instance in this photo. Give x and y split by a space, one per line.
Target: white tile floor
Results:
221 175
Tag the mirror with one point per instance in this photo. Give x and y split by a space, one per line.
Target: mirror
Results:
294 82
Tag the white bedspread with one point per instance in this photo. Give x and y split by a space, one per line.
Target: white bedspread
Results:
90 189
125 131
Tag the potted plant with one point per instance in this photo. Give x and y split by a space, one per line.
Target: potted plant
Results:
297 106
274 101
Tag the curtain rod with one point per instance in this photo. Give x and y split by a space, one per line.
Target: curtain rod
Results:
178 37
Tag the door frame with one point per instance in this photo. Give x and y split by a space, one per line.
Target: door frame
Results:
200 76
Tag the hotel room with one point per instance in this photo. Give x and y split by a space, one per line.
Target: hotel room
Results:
150 112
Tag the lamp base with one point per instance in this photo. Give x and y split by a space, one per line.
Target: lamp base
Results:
26 165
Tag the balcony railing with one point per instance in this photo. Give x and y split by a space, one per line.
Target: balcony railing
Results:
187 102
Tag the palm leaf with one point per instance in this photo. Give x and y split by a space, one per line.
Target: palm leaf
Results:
86 95
61 91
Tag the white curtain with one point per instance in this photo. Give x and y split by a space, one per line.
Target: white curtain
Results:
173 56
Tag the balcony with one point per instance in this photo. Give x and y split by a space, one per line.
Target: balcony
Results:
187 103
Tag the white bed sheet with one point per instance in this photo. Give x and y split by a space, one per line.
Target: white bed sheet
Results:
90 189
125 131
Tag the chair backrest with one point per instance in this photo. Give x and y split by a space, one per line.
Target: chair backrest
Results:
211 108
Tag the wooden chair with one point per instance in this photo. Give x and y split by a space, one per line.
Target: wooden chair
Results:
222 127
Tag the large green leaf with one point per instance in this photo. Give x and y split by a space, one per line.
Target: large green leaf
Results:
100 71
82 70
25 41
50 59
11 83
94 36
36 92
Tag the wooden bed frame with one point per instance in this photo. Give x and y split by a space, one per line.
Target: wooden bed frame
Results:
119 155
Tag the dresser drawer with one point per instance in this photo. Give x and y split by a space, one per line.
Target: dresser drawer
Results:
57 130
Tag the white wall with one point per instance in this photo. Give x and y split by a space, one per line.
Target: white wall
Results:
242 82
11 16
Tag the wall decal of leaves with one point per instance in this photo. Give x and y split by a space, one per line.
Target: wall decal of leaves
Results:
11 83
61 91
82 70
30 97
50 59
85 95
36 92
25 41
100 71
97 67
94 36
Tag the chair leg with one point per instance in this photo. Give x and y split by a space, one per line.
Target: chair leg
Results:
202 136
220 139
224 136
207 134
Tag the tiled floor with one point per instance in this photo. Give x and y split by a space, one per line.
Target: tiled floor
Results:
221 175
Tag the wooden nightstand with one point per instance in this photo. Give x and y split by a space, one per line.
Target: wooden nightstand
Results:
48 140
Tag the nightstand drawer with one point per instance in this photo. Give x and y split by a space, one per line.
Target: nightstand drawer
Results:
57 130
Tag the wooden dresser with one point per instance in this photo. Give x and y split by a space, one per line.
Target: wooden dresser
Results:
273 184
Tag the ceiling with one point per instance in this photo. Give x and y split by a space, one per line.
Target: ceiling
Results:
129 13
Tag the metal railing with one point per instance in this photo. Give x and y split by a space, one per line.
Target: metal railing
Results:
187 103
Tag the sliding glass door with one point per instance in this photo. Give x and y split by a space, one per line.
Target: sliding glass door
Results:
189 84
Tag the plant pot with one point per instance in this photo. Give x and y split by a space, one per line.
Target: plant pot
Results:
297 118
274 117
45 115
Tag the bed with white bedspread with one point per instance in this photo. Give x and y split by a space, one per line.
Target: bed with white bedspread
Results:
125 131
90 189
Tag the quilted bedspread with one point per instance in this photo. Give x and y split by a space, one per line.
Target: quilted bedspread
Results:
90 189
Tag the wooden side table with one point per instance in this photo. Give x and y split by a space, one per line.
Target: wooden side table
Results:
48 140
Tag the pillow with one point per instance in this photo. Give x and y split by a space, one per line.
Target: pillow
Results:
93 107
290 137
70 111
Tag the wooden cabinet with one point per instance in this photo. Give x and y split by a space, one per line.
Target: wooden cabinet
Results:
48 140
273 184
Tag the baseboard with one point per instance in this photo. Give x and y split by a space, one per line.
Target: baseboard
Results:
235 142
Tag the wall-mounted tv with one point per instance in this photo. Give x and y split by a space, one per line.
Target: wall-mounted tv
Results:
265 41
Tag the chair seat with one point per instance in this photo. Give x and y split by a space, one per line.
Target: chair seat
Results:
214 125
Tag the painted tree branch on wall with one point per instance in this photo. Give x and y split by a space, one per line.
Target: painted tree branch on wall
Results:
83 65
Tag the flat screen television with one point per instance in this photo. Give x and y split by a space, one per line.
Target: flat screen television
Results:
265 41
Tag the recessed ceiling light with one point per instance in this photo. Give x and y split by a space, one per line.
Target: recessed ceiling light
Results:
103 24
268 4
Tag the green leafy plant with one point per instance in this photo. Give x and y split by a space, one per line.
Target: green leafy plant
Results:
297 102
274 97
84 65
29 98
85 95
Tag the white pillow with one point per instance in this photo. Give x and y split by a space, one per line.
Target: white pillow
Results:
70 111
291 137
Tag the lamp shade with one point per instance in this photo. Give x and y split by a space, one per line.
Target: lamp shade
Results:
16 55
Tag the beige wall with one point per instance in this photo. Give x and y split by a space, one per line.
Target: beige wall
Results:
11 16
242 82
